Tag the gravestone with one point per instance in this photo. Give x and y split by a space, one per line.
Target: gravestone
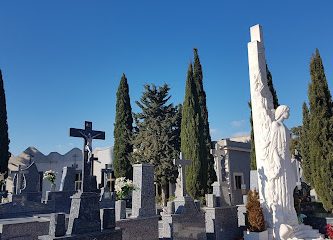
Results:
60 200
221 186
185 219
221 221
18 179
143 196
85 214
68 179
107 197
142 224
183 202
27 184
57 225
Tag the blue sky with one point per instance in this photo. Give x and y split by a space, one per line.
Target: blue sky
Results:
62 60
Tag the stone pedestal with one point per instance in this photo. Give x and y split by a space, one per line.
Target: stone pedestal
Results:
59 201
254 180
210 200
142 228
57 225
256 235
171 207
108 218
85 214
241 213
221 223
221 191
183 226
184 205
120 209
143 203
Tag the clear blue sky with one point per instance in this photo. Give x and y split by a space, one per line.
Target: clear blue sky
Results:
62 60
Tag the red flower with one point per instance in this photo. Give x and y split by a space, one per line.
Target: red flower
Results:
329 231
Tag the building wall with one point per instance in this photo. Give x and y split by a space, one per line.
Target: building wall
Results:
237 158
104 156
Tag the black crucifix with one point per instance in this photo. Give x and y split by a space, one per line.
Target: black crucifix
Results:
88 135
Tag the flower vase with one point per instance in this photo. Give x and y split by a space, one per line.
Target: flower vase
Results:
120 209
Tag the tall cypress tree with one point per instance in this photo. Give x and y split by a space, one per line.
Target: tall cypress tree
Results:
320 132
253 148
123 147
207 160
190 137
304 141
4 140
271 88
275 104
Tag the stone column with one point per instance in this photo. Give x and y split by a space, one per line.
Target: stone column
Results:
143 197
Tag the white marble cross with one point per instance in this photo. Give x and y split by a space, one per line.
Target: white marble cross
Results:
181 180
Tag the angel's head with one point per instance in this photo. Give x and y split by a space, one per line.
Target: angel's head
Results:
282 112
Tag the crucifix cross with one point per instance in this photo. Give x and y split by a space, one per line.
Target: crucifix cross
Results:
181 184
88 134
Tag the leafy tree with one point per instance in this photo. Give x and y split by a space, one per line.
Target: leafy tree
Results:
191 138
320 134
157 132
207 160
275 104
123 147
4 140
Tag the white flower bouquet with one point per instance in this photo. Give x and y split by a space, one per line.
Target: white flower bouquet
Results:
50 176
123 188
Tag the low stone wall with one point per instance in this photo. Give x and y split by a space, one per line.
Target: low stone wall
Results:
139 228
23 229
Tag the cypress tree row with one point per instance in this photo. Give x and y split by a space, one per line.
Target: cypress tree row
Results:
275 104
4 140
304 141
123 147
320 132
207 160
190 137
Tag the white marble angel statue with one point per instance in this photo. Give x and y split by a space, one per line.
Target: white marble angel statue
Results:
281 175
277 174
